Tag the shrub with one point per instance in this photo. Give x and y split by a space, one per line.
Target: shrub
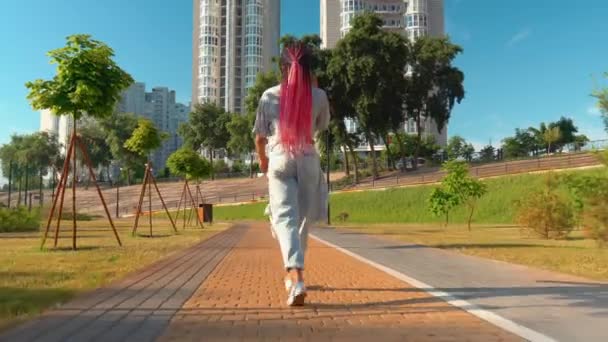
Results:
546 213
19 220
595 219
220 166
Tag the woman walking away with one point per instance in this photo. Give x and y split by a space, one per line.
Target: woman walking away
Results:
288 117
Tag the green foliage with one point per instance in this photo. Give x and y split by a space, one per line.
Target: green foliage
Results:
263 81
441 202
435 85
95 139
240 128
19 220
546 212
487 154
457 188
595 219
221 167
30 153
206 127
602 103
119 127
145 138
459 148
185 162
551 136
88 81
374 85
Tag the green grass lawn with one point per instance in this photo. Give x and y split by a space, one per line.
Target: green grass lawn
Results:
32 280
575 255
410 205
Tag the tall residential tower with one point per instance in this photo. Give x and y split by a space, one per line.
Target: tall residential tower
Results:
413 18
233 40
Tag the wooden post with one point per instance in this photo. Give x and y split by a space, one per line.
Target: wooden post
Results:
64 172
163 203
64 182
150 199
103 201
141 199
74 189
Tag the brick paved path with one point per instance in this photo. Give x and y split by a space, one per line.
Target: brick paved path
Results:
244 299
230 288
135 309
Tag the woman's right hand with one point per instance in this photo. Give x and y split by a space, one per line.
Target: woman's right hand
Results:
264 165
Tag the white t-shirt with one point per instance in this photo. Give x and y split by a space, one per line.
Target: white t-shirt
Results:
268 113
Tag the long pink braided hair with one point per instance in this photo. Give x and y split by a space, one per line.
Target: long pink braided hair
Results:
295 121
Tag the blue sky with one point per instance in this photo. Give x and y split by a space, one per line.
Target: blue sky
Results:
524 61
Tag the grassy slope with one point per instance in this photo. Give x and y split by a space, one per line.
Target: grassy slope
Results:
409 205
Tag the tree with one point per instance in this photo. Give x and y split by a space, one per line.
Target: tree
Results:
370 63
263 81
88 82
459 148
119 128
567 131
185 162
487 154
602 103
466 189
206 128
241 140
434 85
145 138
551 136
441 202
457 188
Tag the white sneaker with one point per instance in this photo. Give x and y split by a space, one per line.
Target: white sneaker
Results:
297 294
288 284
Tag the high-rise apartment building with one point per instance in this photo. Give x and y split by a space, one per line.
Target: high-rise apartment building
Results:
233 40
160 107
412 18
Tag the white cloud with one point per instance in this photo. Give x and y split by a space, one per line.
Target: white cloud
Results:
519 37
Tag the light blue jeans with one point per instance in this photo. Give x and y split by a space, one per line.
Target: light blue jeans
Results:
293 190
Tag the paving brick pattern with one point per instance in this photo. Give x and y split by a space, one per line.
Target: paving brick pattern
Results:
243 299
138 308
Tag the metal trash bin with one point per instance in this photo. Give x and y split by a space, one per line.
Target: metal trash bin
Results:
205 211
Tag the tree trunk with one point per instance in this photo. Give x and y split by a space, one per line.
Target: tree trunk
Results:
447 218
389 157
472 210
346 163
355 162
373 153
211 159
251 165
19 190
418 143
401 148
128 177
